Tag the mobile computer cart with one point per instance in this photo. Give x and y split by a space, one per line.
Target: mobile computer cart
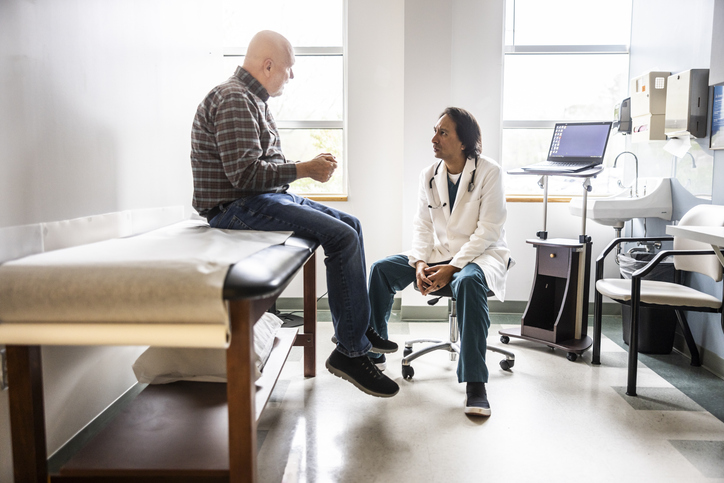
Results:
557 310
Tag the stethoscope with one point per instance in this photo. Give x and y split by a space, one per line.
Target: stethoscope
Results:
471 185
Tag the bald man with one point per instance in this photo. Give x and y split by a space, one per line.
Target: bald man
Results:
241 179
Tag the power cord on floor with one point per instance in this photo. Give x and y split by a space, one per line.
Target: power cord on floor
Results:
290 319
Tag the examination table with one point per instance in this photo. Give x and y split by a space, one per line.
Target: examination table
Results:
180 432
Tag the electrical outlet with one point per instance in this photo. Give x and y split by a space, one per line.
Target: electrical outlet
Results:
3 370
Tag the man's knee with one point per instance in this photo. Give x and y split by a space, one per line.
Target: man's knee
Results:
392 267
380 267
355 223
474 281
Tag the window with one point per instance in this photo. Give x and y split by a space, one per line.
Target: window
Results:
565 60
310 113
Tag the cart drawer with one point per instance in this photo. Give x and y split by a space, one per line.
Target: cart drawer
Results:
553 261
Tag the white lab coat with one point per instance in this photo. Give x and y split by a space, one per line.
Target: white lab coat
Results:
474 231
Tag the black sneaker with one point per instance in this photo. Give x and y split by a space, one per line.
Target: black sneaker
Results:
379 345
380 362
361 372
476 402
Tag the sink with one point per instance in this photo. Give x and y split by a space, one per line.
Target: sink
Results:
654 201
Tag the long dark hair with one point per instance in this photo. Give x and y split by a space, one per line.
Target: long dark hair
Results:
467 129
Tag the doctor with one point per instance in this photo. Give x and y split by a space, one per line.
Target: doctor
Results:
459 240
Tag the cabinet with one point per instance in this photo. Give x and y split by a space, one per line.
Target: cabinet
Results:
557 310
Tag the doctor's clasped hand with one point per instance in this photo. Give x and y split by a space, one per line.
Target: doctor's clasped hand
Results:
431 279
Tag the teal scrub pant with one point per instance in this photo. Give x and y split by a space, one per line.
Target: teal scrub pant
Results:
394 273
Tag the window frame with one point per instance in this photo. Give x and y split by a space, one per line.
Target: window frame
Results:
540 49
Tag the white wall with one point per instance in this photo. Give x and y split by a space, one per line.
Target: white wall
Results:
375 88
97 101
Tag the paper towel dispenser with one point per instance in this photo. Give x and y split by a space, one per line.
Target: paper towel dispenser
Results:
648 105
687 103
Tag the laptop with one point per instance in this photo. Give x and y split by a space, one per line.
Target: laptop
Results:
576 146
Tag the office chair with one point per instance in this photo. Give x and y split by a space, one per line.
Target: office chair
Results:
689 256
451 345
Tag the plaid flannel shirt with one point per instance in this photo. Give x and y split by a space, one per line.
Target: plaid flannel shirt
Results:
235 147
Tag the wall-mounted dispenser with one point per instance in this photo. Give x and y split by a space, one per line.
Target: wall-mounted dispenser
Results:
687 103
622 116
648 106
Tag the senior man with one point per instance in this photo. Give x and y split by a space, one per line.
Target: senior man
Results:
241 179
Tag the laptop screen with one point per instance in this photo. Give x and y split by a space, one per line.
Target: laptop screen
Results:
583 142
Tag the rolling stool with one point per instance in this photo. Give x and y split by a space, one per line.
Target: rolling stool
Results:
450 345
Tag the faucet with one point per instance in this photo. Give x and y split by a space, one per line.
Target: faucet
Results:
636 179
693 162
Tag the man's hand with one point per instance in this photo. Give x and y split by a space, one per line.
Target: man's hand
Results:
319 169
430 279
420 278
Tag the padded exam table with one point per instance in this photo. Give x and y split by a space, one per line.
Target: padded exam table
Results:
180 432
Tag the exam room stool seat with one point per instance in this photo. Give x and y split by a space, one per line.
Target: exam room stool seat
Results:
451 344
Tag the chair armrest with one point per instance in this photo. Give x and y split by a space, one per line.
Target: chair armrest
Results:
617 241
662 255
626 239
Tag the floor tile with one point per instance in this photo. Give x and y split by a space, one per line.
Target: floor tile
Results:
658 399
706 456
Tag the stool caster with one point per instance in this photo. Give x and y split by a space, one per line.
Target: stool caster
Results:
504 339
506 364
407 351
572 356
408 372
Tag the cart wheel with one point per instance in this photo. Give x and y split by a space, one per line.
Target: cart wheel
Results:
408 372
505 364
407 351
504 339
572 356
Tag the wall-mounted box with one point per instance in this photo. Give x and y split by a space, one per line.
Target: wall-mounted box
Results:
716 66
687 103
648 94
647 128
648 106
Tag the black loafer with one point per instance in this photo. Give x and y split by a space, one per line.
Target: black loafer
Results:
379 345
363 373
380 362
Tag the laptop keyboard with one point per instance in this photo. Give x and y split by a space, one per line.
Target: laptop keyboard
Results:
557 167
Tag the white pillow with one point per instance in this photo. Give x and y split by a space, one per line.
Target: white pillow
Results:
161 365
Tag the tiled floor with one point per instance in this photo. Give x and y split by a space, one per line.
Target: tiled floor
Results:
553 420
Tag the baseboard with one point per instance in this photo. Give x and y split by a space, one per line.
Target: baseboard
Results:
287 304
709 360
435 312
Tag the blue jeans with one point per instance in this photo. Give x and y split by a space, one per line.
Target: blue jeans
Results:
339 234
394 273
